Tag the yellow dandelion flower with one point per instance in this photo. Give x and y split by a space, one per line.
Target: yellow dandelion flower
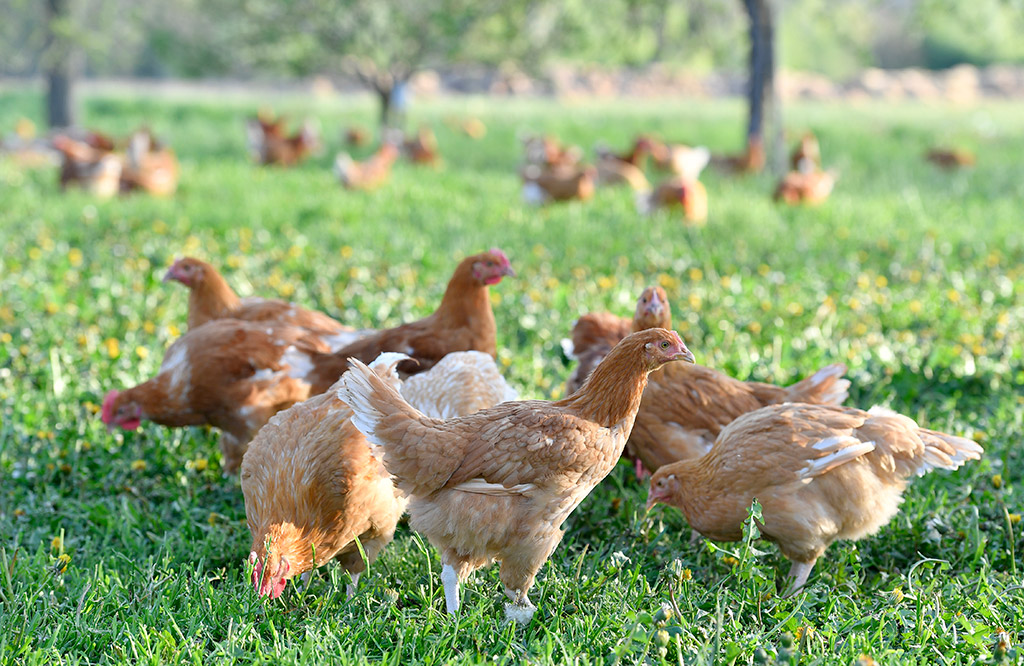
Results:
5 338
897 595
953 295
695 301
860 328
212 519
495 297
686 574
696 274
200 464
346 252
149 327
764 269
667 281
754 327
52 308
916 306
86 446
141 352
75 256
729 560
19 512
725 281
92 407
766 305
287 289
173 331
159 227
992 260
294 252
997 481
795 309
57 542
64 560
35 254
605 282
113 347
863 281
552 282
234 261
881 282
853 303
138 465
915 276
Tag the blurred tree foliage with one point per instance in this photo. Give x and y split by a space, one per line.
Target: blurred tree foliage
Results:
387 38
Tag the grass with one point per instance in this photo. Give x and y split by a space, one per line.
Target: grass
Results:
912 276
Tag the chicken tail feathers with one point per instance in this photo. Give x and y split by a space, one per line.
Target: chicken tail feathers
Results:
824 387
945 451
398 434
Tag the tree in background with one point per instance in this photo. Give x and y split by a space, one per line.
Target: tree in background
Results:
761 96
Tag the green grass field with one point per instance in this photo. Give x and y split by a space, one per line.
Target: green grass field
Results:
912 276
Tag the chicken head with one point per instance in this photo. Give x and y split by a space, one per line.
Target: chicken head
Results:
187 270
265 583
662 346
492 266
120 412
652 310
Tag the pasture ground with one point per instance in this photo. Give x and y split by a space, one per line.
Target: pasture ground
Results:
912 276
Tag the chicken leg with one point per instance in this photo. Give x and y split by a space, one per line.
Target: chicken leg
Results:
450 580
798 574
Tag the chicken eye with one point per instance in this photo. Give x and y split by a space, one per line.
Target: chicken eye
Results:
490 264
664 344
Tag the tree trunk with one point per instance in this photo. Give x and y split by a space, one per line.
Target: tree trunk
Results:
761 94
384 94
61 68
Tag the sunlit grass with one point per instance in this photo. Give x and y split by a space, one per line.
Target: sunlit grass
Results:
912 276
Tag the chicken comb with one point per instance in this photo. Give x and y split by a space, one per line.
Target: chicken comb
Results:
107 412
501 256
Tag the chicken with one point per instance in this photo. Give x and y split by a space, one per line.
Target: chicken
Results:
547 152
369 174
685 161
812 188
474 128
596 333
311 486
356 136
210 297
752 160
149 166
686 407
541 186
676 191
228 373
806 157
950 158
93 168
422 148
463 321
613 171
268 143
821 473
636 156
498 484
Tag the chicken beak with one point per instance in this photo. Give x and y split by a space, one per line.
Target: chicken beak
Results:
684 354
509 271
170 275
652 499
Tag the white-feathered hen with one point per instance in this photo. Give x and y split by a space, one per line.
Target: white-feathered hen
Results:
311 486
820 472
497 485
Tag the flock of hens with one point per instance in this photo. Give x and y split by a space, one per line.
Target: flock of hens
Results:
337 433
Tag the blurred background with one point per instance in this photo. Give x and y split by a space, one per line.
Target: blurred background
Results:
822 49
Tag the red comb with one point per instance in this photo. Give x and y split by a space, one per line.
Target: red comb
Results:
500 255
107 413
